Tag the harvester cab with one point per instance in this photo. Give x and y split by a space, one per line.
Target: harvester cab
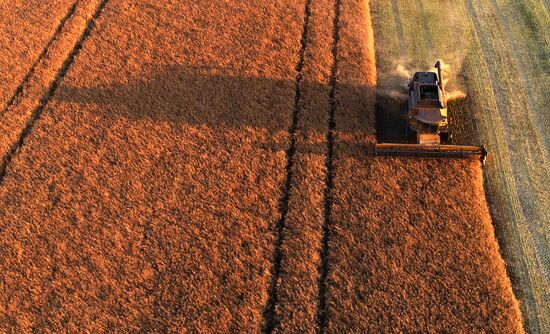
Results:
427 122
427 110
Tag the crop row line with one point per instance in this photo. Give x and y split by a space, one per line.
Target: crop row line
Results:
270 319
53 87
25 81
324 268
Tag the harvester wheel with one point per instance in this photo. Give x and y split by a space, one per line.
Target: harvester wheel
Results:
445 137
449 132
408 133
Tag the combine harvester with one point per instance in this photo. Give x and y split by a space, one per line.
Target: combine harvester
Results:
427 120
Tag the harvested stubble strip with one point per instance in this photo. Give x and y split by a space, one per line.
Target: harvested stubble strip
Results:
519 179
298 286
411 244
145 197
26 28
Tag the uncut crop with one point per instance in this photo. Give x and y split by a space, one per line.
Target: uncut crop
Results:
145 195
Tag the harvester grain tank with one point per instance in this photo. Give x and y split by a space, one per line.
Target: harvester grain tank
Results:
428 123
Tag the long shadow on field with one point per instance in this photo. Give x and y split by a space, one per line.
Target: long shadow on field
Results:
191 95
391 107
207 96
391 118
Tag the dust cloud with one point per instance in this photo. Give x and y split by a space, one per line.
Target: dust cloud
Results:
393 84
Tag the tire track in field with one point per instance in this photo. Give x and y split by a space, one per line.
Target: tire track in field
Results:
523 183
542 140
546 5
157 283
399 27
49 93
501 156
425 26
500 151
322 312
540 241
270 320
41 56
537 28
513 180
534 111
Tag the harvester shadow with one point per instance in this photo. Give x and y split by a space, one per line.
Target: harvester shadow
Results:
391 108
391 118
206 96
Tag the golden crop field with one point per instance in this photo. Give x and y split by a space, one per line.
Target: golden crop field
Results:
173 166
